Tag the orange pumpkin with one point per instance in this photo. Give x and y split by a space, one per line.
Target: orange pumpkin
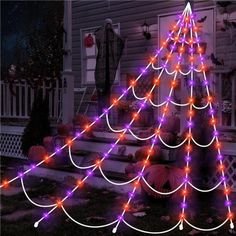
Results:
64 129
37 153
48 143
163 178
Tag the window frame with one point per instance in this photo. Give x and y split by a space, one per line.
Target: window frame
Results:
84 58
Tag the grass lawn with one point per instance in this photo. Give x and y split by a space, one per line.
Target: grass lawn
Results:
93 206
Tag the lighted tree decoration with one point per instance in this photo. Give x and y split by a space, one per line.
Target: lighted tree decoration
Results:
184 32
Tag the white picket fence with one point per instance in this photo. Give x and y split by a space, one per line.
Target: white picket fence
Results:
17 98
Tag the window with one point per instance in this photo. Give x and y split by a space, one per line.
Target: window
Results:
89 54
226 91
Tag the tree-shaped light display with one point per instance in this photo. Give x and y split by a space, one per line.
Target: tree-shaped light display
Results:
183 39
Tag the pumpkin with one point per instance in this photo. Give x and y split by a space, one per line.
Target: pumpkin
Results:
64 129
37 153
163 178
141 154
48 143
171 124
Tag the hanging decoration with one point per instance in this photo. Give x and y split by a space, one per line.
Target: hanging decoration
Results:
88 41
188 30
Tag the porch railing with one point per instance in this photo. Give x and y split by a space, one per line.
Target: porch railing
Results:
17 98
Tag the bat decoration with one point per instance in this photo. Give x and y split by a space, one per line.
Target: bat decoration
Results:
202 19
215 60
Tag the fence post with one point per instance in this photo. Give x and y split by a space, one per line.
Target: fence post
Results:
68 77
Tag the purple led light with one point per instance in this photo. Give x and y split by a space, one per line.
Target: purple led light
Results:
223 178
89 172
69 193
190 124
180 17
161 119
186 180
228 203
32 166
205 82
158 51
105 111
179 58
77 134
58 150
182 25
191 68
216 133
183 205
197 40
191 50
173 47
190 26
140 174
143 104
45 215
131 195
211 111
164 65
97 118
191 82
168 99
202 58
113 145
120 218
187 158
219 157
20 174
127 126
143 71
124 91
105 155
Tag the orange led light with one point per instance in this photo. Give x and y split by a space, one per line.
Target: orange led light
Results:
185 192
5 183
174 83
176 39
189 136
122 136
185 30
156 82
168 56
188 148
199 50
87 127
195 29
132 83
181 49
157 132
149 96
213 121
135 116
153 60
177 67
190 41
182 216
165 109
98 163
46 159
227 191
221 167
187 170
175 27
191 100
191 58
115 101
230 215
186 19
136 183
209 98
59 203
69 142
203 68
190 113
146 163
218 145
80 183
150 151
164 44
126 207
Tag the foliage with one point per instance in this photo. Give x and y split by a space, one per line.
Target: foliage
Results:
38 126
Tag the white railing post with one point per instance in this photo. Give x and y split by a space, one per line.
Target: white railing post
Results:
68 77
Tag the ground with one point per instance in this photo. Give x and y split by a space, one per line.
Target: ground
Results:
93 206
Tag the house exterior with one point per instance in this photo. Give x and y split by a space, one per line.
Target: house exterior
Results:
82 18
